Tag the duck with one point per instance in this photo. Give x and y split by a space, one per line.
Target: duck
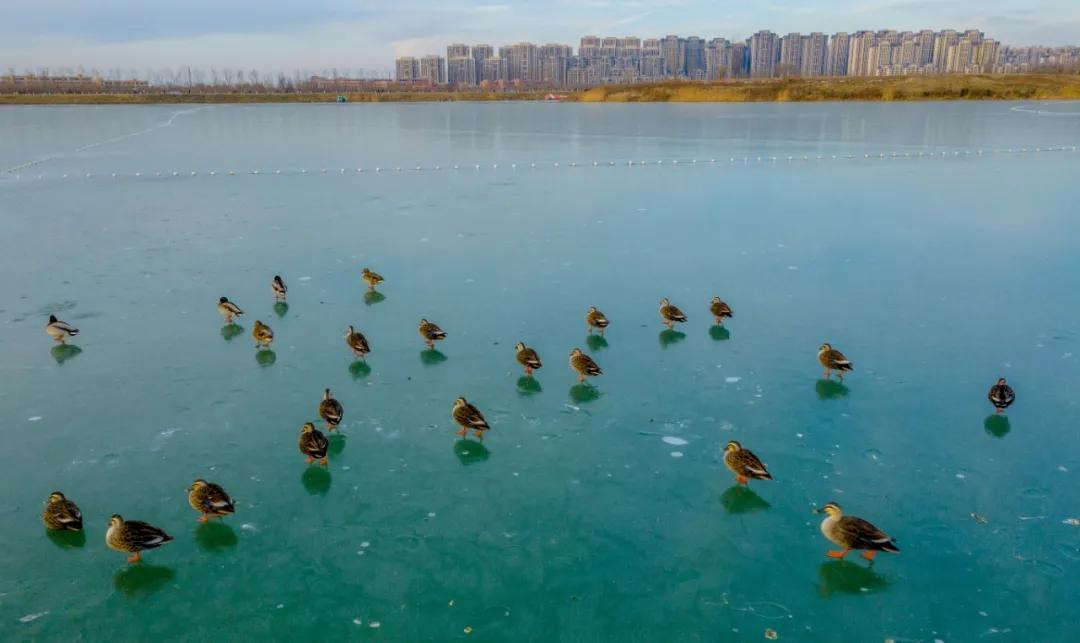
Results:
670 314
371 278
431 332
595 319
744 464
134 536
584 365
263 335
313 444
719 310
833 360
228 309
209 499
468 417
853 533
330 410
60 330
61 514
527 357
278 286
357 342
1001 396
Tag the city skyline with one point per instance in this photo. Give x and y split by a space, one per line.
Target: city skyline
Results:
276 35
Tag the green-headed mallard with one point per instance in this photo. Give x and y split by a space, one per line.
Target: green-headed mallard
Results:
61 513
527 357
670 314
357 342
468 417
60 330
853 533
583 365
719 310
278 286
263 335
833 360
430 332
595 319
1001 395
313 444
209 499
371 278
330 410
134 537
228 309
744 463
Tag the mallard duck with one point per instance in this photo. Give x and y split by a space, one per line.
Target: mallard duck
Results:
357 342
584 365
1001 395
134 536
833 360
60 330
670 314
278 286
263 335
744 463
61 513
853 533
595 319
469 417
330 410
527 357
371 278
228 309
209 499
719 310
313 444
430 332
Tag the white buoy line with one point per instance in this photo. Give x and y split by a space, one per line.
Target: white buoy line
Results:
787 160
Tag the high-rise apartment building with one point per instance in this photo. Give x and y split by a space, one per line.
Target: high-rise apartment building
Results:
694 54
406 69
790 55
839 49
432 69
673 50
764 54
815 54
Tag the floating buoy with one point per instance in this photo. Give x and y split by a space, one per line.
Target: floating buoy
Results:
254 171
138 174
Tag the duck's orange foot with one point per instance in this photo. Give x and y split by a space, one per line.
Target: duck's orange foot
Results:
869 554
134 558
324 461
462 432
479 434
741 479
837 554
310 459
203 518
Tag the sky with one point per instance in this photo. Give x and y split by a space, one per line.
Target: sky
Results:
283 35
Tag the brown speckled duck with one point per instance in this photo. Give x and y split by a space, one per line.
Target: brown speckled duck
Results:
278 286
527 357
833 360
670 314
228 309
262 334
330 410
372 279
719 310
595 319
1001 395
583 365
61 513
853 533
430 332
468 417
134 537
357 342
744 464
313 444
210 500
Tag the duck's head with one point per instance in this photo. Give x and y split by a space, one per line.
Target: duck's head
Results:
366 271
56 496
223 300
1001 381
520 346
831 509
198 484
423 322
825 347
116 520
52 319
326 394
664 302
307 428
459 402
575 352
732 446
592 309
350 331
716 300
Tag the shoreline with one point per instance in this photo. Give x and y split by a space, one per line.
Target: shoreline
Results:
908 88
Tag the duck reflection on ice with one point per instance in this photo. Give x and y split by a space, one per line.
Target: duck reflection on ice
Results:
471 451
63 352
431 357
231 331
265 357
670 336
316 480
373 297
528 385
359 369
740 499
67 539
281 308
997 425
133 580
215 536
335 443
719 333
584 393
831 389
595 342
841 576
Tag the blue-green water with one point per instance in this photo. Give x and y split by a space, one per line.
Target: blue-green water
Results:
575 520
